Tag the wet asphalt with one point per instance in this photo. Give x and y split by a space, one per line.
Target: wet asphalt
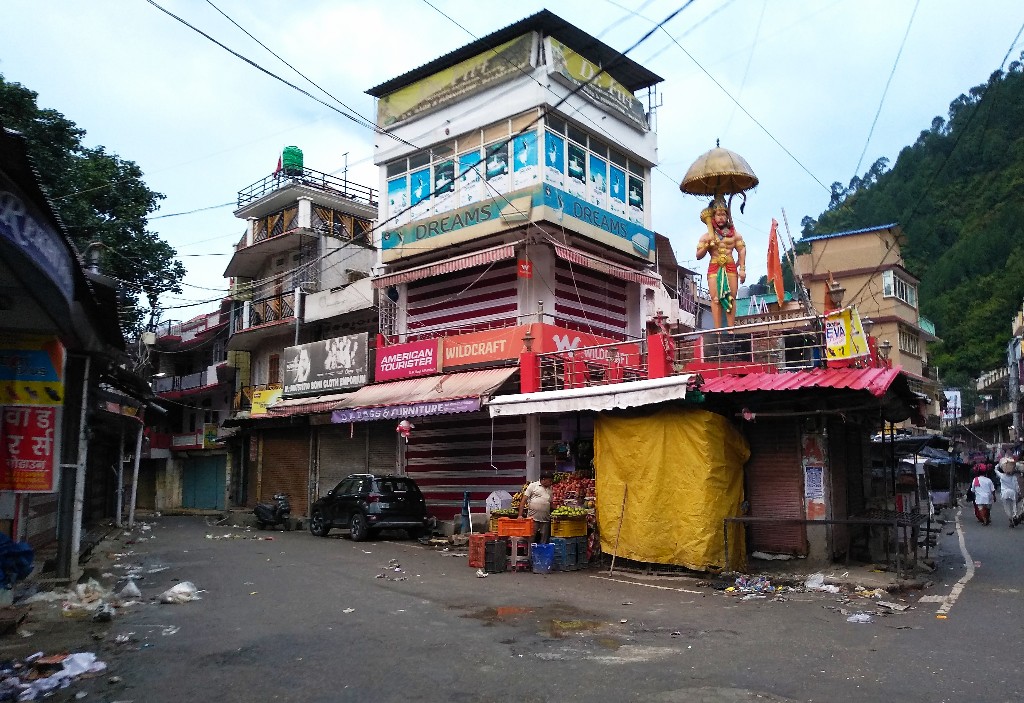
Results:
299 618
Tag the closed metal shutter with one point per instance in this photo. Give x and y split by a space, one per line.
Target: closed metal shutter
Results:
449 454
775 486
383 451
285 467
590 301
341 451
479 298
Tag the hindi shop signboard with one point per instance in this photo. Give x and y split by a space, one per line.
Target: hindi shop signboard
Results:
408 360
29 448
331 365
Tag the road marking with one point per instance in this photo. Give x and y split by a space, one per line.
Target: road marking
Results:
958 587
649 585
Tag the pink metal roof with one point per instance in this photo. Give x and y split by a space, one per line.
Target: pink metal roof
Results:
450 386
872 380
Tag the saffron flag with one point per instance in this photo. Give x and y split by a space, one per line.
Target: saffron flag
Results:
775 263
277 171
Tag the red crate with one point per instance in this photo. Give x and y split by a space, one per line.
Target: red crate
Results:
477 545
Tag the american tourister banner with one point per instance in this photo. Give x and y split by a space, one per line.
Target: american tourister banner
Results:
408 360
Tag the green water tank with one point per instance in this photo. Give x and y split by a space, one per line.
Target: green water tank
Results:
291 160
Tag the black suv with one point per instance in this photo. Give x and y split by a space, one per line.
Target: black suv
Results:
367 504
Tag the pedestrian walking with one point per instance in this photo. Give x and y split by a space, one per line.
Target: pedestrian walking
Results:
1009 488
984 492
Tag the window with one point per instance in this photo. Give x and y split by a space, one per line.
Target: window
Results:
895 287
274 369
910 342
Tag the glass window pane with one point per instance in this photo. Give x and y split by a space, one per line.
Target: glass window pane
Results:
397 167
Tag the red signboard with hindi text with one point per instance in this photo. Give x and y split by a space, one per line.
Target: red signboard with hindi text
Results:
29 449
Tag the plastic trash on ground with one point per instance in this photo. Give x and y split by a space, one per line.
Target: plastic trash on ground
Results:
862 618
180 593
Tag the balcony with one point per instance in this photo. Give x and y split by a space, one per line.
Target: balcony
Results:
341 187
793 344
176 386
259 319
176 331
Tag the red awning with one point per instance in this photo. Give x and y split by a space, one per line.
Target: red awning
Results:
457 263
604 266
874 381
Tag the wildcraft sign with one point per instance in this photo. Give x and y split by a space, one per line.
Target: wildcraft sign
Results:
333 364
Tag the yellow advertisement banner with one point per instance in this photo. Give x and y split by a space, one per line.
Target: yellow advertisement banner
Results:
31 370
604 90
844 335
457 82
263 399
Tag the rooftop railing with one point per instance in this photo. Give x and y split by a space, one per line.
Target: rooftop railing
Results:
314 179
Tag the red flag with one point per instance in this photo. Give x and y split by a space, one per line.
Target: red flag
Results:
279 165
775 263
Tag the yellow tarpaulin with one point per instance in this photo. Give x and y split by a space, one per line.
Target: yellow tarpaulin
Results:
684 471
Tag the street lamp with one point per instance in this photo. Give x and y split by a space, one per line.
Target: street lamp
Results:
884 348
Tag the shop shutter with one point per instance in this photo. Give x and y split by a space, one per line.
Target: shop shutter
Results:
383 450
285 467
479 298
341 451
775 486
590 301
449 454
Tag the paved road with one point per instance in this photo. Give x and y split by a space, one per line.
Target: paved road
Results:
298 618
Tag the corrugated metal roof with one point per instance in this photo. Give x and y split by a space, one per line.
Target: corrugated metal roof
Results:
305 406
451 386
622 68
832 235
874 381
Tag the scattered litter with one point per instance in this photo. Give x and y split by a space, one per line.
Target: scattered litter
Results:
893 606
677 633
628 602
816 582
123 639
170 630
758 584
862 618
481 574
623 621
180 593
766 556
43 675
130 591
104 613
753 596
157 569
348 610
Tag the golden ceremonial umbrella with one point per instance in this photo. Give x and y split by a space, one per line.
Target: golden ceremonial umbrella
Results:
718 172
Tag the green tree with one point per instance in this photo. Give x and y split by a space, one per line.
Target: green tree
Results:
102 199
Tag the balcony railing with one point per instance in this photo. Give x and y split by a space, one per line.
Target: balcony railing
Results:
593 366
313 179
187 330
263 311
790 345
189 382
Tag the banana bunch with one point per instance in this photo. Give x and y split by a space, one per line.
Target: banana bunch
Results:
568 511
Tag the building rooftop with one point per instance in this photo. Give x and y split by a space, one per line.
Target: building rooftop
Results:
626 71
833 235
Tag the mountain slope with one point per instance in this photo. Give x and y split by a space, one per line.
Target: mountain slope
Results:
958 193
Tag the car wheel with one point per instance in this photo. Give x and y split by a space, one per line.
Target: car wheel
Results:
415 532
357 528
318 526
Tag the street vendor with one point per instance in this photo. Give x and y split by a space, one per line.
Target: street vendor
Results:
725 272
537 502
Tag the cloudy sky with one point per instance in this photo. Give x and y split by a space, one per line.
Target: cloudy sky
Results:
808 92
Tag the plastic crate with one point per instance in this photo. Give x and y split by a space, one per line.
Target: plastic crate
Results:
477 542
515 527
581 551
568 527
496 555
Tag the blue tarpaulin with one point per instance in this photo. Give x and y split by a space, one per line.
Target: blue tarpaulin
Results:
15 561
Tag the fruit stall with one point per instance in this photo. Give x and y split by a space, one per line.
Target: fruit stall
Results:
573 544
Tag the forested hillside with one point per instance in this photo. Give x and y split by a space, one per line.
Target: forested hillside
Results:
958 193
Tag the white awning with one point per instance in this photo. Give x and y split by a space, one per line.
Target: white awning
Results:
609 397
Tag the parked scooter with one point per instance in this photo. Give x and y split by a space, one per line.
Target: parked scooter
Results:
273 514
